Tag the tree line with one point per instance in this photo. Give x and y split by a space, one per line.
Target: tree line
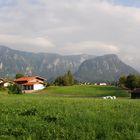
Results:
65 80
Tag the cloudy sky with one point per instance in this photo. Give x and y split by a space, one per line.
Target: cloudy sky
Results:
73 27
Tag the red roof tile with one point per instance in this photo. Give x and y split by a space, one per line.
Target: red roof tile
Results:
28 78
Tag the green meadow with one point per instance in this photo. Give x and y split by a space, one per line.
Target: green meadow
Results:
85 91
52 116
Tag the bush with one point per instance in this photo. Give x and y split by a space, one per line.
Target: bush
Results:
14 89
131 81
2 88
19 75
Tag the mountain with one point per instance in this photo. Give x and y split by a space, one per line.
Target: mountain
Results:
107 68
44 64
48 65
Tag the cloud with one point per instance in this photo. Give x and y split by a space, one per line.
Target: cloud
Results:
35 44
90 46
73 26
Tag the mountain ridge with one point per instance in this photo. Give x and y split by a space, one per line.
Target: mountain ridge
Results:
48 65
51 65
106 68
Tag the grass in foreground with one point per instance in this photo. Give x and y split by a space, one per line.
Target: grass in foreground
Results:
39 117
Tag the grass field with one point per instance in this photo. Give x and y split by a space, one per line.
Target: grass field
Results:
46 117
85 91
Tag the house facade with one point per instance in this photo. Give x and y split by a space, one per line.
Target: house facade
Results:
31 83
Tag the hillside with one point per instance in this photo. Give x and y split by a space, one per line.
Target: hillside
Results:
107 68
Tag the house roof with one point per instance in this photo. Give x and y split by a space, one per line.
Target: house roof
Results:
2 80
28 78
31 83
136 91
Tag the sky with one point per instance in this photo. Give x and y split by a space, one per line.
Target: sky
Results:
69 27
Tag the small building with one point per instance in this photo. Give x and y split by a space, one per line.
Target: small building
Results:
8 83
103 84
31 83
1 82
135 94
5 82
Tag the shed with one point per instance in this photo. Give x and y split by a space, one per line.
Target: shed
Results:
135 94
1 82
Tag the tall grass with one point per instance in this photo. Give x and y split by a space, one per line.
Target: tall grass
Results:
39 117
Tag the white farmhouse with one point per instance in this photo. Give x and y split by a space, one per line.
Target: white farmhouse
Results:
31 83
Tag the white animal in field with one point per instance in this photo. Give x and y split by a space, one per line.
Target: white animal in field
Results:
114 97
110 97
